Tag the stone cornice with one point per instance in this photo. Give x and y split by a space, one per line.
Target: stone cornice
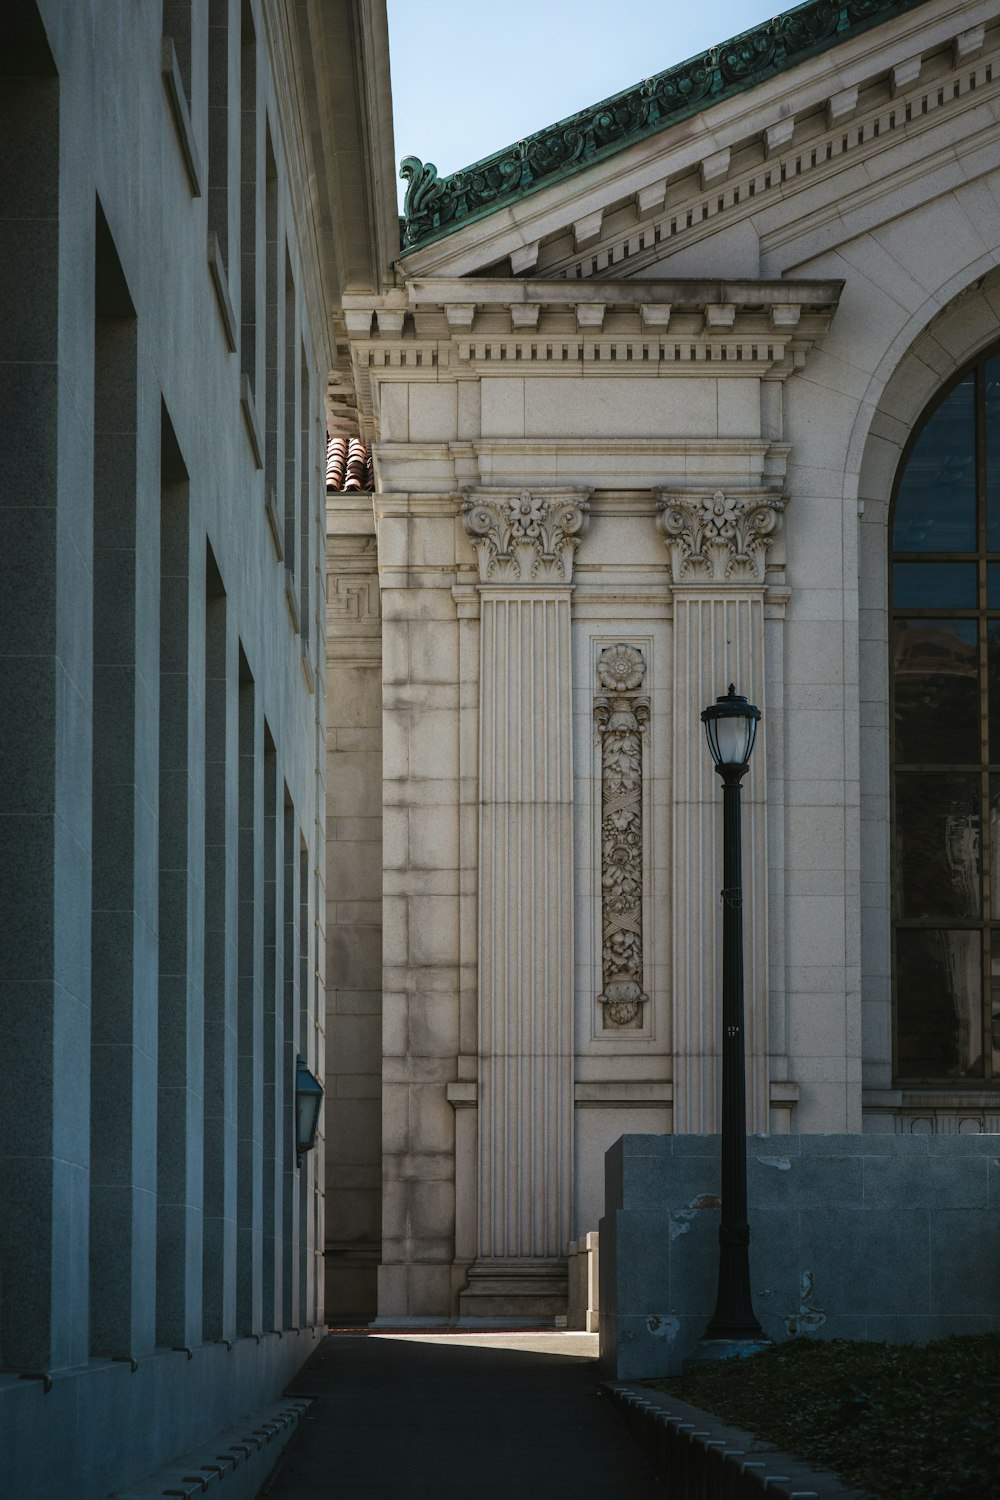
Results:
448 307
420 332
508 465
434 207
330 68
528 537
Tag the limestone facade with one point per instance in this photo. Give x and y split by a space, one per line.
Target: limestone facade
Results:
635 437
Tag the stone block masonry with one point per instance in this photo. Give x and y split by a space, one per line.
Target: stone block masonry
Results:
887 1237
723 341
167 287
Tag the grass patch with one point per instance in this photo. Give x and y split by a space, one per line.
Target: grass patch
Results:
901 1421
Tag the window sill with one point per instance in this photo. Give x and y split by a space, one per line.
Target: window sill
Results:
221 284
272 521
250 419
170 68
293 609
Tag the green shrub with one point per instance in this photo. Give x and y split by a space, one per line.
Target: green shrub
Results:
901 1421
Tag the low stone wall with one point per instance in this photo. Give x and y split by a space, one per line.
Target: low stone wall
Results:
703 1458
851 1236
112 1427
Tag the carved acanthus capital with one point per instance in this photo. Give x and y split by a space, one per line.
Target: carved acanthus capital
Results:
531 537
719 538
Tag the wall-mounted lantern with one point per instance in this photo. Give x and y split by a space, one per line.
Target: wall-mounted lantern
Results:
308 1099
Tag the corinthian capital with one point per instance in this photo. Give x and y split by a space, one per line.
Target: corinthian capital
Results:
719 538
530 537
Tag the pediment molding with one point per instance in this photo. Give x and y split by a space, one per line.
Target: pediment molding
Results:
797 157
681 185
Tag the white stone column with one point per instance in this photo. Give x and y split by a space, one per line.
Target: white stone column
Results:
525 545
718 545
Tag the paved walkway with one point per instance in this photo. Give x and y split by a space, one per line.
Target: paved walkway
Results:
459 1417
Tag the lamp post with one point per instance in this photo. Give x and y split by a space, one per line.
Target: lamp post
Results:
733 1330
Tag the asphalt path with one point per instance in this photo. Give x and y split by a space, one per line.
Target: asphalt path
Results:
456 1416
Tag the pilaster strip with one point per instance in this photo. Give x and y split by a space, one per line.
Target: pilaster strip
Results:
525 545
718 548
717 639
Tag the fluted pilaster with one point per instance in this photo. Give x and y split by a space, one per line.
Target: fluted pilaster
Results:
525 546
718 547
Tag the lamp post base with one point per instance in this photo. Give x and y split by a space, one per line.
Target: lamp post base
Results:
710 1351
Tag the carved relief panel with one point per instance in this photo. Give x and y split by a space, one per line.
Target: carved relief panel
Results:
621 716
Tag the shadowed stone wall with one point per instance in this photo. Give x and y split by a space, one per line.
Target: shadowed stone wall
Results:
887 1237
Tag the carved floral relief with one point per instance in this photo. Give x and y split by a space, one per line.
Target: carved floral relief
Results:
525 538
719 538
622 716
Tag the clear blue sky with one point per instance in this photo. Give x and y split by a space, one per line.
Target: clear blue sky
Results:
469 77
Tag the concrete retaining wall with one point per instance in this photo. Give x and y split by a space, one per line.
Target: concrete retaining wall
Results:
703 1458
851 1236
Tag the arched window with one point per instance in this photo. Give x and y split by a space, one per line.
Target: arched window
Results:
945 716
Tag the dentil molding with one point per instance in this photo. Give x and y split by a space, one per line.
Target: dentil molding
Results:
528 537
719 538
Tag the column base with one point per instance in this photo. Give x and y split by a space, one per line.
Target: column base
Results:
515 1289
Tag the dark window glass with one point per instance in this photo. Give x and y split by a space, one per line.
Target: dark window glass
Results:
945 670
936 501
991 382
935 585
939 1003
936 681
993 670
937 846
994 1015
993 829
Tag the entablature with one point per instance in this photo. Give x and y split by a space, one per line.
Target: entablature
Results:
459 329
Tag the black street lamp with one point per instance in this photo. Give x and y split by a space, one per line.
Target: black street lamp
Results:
731 727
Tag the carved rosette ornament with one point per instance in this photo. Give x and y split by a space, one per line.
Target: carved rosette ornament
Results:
525 538
719 538
622 716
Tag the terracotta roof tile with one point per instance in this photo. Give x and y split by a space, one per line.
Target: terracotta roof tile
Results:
348 464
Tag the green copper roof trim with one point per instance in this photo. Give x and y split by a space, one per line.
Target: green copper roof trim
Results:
436 206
